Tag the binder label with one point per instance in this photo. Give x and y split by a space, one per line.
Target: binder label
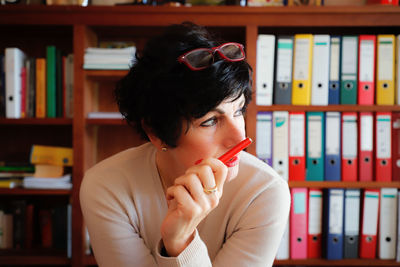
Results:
335 58
367 50
370 220
263 132
385 59
349 145
302 56
336 212
296 135
332 136
314 142
315 212
352 209
383 137
284 64
366 141
349 57
299 203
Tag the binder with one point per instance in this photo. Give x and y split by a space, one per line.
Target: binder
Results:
349 146
320 70
280 137
366 70
301 91
398 227
265 69
383 147
332 147
333 207
283 250
314 223
315 146
283 78
396 146
366 133
398 72
351 223
14 61
388 224
297 139
349 66
334 71
385 72
264 136
369 223
298 223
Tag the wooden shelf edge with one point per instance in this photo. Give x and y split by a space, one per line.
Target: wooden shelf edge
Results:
24 191
342 108
105 75
340 184
105 122
36 121
89 260
345 262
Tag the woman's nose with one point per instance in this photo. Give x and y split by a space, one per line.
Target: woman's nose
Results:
235 132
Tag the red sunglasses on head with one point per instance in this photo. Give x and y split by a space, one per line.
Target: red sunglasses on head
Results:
201 58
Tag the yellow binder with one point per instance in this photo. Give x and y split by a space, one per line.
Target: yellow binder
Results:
53 155
302 66
385 81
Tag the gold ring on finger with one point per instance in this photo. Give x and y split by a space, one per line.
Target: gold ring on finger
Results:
210 190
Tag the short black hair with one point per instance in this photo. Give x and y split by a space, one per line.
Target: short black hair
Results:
161 92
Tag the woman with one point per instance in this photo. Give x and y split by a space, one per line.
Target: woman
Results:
171 202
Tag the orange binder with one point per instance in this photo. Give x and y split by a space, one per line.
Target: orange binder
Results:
369 223
298 223
349 146
383 169
297 140
314 240
366 142
366 69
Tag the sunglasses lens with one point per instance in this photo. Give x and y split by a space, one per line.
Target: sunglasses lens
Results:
232 51
200 58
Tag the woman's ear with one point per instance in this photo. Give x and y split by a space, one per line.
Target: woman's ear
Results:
153 138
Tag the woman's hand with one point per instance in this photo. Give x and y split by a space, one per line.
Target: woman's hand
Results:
189 204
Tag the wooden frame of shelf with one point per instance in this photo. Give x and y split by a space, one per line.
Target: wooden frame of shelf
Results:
87 21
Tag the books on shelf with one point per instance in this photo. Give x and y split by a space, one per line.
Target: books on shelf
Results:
63 182
36 87
109 58
104 115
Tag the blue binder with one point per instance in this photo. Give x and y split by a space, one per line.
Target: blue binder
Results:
333 146
315 146
334 77
333 224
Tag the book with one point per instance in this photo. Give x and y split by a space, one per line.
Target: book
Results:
54 155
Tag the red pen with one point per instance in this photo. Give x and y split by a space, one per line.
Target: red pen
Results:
225 158
235 150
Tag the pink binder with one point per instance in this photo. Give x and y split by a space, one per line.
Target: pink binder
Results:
299 223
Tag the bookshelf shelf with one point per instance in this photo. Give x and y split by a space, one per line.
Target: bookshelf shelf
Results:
331 184
349 262
105 122
31 192
36 121
341 108
43 257
105 75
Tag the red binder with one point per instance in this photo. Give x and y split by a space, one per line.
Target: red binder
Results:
297 139
396 146
383 126
366 145
369 223
366 69
349 146
314 241
298 223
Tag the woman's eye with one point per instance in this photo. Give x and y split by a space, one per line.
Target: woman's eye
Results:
240 112
210 122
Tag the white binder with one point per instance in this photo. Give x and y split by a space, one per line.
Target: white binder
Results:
14 61
320 70
388 224
265 69
280 149
264 136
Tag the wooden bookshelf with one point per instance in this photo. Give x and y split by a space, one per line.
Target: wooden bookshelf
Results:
74 28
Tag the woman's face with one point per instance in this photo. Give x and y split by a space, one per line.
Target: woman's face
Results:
211 136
